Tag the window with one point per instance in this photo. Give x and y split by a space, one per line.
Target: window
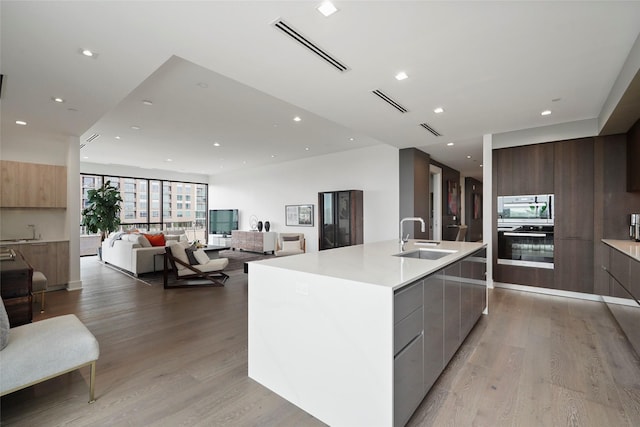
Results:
151 204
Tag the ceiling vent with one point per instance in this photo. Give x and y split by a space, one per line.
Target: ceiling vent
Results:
304 41
88 140
430 129
389 101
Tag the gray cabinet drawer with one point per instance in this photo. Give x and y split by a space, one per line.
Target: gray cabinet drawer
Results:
407 329
406 301
408 388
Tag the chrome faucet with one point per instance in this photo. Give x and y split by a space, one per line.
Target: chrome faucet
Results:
405 240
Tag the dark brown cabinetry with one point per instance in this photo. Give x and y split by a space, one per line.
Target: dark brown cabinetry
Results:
15 288
341 219
574 226
524 170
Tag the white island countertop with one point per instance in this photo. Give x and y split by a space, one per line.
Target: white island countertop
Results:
374 263
627 247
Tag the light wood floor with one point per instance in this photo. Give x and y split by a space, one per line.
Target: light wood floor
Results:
179 357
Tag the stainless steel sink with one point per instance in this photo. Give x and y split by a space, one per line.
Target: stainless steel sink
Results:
421 253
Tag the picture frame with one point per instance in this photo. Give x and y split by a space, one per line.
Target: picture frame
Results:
452 198
299 215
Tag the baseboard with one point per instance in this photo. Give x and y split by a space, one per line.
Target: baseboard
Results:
547 291
74 285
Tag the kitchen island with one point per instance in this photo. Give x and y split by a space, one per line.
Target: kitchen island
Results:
356 336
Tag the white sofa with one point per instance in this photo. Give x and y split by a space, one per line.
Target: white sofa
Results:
129 252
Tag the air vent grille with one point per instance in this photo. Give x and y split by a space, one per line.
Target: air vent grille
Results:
430 129
389 101
93 137
304 41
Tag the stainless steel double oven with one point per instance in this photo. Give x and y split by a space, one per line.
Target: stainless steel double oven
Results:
525 230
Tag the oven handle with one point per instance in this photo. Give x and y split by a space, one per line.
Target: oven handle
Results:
525 234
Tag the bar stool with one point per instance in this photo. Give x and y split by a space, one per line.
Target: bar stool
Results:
39 285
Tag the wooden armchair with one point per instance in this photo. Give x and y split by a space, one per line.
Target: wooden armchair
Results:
210 271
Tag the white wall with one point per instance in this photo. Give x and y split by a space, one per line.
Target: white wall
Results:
265 191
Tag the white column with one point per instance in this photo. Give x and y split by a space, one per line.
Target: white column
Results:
73 212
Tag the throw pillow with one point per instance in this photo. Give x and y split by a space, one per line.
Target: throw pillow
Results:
290 246
201 256
290 238
191 255
156 239
4 326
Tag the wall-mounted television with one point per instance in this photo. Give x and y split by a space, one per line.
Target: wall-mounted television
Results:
223 221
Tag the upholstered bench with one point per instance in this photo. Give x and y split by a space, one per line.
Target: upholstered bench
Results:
46 349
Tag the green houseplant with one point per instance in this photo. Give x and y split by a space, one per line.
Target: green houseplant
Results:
103 211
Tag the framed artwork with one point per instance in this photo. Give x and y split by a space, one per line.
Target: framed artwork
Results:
299 215
477 206
452 198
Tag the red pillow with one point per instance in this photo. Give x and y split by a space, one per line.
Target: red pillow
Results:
156 239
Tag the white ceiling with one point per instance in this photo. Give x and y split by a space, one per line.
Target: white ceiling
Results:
493 66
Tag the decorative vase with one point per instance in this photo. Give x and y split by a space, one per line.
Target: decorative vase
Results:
259 225
267 226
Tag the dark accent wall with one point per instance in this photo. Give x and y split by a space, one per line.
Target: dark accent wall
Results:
449 231
414 190
473 202
633 157
613 204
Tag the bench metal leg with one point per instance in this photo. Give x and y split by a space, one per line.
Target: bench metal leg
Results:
92 382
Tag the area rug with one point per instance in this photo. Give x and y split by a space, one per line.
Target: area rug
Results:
236 262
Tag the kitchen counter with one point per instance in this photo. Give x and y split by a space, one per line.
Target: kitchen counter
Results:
325 327
373 263
627 247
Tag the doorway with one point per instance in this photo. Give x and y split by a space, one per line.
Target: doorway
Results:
435 202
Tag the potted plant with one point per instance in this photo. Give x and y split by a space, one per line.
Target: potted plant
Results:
103 212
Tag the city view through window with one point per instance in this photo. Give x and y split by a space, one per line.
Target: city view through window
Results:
155 205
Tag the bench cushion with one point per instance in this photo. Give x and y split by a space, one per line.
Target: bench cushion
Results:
41 350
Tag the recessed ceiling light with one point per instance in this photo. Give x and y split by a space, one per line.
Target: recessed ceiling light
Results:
401 75
57 99
306 148
135 127
216 144
273 156
147 102
450 144
352 139
438 110
169 160
480 164
327 8
89 53
545 113
297 119
468 157
117 137
21 122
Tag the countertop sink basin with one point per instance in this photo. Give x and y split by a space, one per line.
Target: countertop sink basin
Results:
421 253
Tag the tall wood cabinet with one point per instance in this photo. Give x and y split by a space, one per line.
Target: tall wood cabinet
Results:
341 218
574 200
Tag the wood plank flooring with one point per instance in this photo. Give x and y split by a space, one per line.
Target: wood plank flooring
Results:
179 358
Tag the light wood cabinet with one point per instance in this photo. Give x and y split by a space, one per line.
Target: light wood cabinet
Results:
32 185
51 258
